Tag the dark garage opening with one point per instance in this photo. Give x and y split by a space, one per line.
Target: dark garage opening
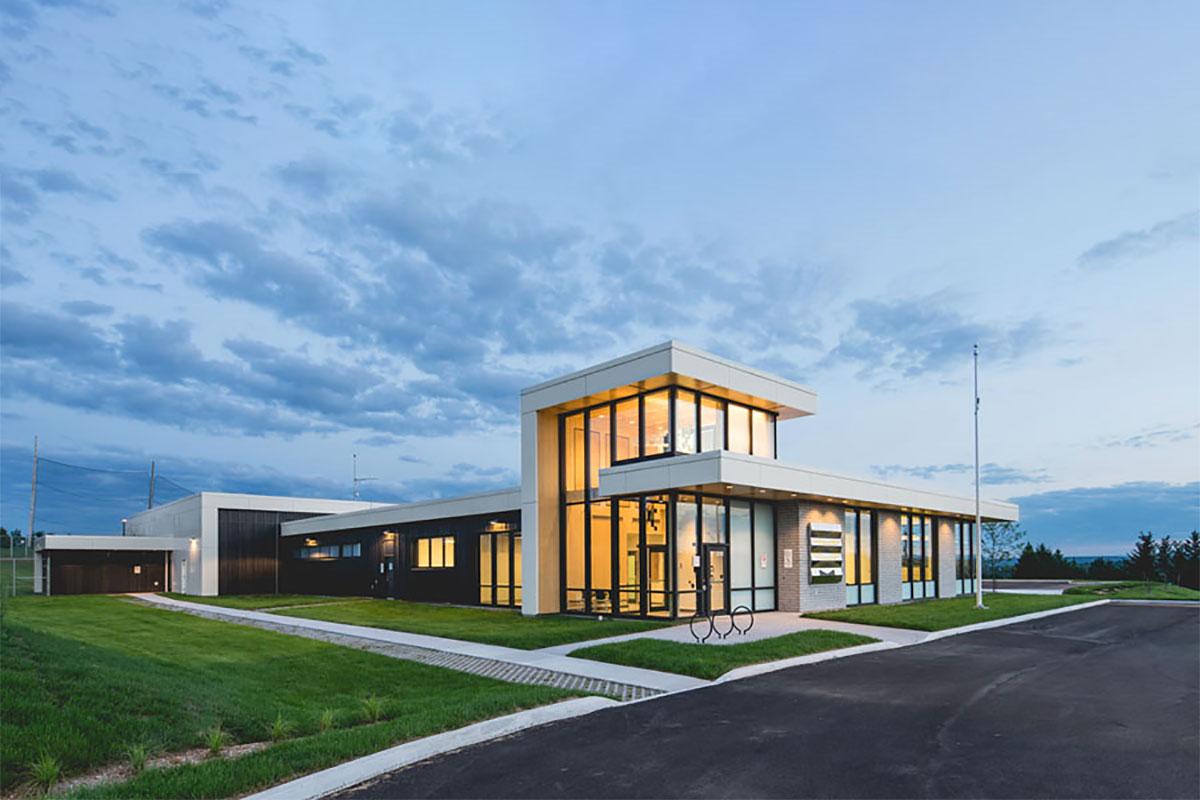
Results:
106 571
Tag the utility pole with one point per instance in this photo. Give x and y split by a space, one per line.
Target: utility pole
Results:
978 516
357 480
150 496
12 550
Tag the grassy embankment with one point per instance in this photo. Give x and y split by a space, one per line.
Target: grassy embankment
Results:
86 678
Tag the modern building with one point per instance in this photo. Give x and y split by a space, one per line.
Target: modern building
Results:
650 487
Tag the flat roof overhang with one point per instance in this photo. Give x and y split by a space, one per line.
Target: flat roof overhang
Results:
66 542
733 474
671 363
383 516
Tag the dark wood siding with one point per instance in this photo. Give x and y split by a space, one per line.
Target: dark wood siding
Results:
106 571
246 549
363 576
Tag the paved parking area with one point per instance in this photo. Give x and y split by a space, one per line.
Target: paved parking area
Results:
1099 703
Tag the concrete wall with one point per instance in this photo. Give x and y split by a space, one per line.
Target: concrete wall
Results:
181 519
796 592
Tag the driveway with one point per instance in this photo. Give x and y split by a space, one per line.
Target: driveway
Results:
1097 703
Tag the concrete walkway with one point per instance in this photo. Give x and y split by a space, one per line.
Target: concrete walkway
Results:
505 663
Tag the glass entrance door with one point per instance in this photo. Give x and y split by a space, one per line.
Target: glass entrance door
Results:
716 578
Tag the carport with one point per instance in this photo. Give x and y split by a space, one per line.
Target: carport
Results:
102 564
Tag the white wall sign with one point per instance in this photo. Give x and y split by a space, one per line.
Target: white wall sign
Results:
787 558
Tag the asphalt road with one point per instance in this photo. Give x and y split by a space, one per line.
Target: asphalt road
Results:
1097 703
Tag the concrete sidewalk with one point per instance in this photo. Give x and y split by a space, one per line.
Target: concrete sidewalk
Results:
462 653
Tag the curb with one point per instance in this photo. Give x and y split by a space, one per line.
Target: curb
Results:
750 670
1000 623
360 770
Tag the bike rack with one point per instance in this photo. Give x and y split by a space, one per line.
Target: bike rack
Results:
692 627
711 619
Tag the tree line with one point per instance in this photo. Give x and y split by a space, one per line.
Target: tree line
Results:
1164 560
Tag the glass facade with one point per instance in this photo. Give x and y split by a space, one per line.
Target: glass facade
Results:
964 564
859 535
918 557
664 555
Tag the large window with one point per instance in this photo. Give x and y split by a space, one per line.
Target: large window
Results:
964 564
433 552
685 421
712 424
858 542
500 568
657 410
918 551
628 430
739 429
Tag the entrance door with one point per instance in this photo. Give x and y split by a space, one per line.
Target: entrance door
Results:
389 575
715 565
658 571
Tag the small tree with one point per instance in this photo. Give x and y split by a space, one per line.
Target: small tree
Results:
1187 556
1001 541
1164 560
1142 562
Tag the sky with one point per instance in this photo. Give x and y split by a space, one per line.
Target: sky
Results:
247 240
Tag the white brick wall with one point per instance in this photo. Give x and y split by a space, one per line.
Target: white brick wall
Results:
888 564
796 593
946 558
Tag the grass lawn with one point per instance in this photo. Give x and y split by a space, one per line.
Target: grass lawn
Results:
260 602
489 626
86 677
1136 590
714 660
937 615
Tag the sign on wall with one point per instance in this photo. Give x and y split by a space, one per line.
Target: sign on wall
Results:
824 552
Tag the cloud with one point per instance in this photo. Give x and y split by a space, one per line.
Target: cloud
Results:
424 135
1104 520
1141 243
90 490
29 333
314 178
920 335
990 473
1155 437
86 308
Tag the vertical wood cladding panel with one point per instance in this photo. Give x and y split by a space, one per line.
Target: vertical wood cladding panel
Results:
246 549
106 571
366 575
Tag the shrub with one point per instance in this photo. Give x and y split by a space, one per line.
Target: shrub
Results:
215 739
45 771
137 755
280 728
373 708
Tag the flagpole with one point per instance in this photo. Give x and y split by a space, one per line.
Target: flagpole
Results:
978 516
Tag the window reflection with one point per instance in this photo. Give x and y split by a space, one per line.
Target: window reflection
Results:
573 442
599 446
